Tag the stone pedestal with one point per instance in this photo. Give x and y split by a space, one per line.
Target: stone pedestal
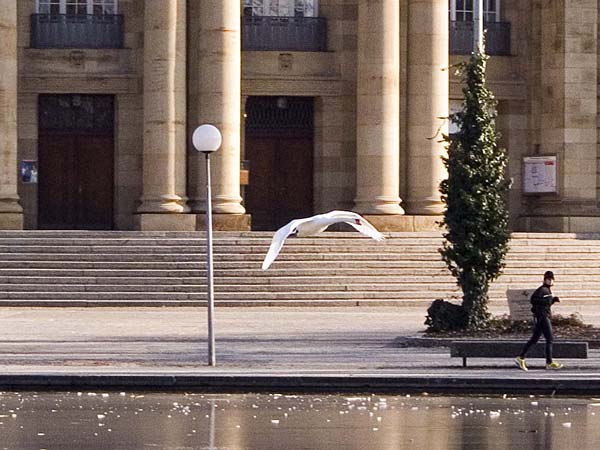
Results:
405 222
165 222
11 221
225 222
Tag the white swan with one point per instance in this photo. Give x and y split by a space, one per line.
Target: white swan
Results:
316 224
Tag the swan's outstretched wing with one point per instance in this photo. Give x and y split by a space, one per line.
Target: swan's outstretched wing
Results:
358 222
278 240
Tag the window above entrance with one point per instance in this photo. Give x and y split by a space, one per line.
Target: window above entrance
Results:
76 7
497 33
77 24
283 25
462 10
280 8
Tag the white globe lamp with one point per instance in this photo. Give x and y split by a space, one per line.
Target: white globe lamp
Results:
207 138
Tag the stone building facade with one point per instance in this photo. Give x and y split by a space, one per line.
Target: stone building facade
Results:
328 104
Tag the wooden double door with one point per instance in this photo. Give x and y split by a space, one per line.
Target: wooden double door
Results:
76 168
280 187
279 153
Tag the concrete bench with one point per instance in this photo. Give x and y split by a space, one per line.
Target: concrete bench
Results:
510 349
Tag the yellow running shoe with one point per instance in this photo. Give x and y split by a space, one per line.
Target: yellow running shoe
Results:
520 362
554 366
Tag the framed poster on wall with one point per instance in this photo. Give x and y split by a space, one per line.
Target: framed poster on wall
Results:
540 174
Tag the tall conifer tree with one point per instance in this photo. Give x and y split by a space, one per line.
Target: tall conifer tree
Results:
475 194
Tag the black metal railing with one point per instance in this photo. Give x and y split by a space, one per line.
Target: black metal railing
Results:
301 34
497 38
76 31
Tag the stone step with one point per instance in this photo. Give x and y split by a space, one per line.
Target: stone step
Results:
239 296
254 234
342 279
251 292
574 282
234 273
287 260
200 241
324 256
250 296
324 246
223 287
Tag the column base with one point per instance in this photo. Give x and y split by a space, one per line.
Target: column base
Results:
378 207
559 224
405 223
11 221
428 207
165 204
225 222
165 222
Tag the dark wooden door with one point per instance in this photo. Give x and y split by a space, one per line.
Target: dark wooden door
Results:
76 156
281 180
279 151
75 181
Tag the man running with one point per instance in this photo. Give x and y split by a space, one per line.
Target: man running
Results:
542 300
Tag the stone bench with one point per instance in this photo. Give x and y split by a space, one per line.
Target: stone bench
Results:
510 349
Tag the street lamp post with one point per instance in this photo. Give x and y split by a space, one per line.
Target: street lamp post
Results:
478 26
207 139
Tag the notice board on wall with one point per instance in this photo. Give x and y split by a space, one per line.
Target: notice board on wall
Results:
540 174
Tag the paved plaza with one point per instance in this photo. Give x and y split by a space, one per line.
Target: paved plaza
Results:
285 348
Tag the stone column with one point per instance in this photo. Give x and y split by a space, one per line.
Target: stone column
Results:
378 108
164 115
427 106
11 213
219 103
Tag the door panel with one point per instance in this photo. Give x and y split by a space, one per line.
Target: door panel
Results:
95 169
75 181
57 171
281 180
261 190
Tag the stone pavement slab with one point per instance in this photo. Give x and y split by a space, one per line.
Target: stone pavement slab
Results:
350 348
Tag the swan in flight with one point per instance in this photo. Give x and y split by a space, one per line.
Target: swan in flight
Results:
316 224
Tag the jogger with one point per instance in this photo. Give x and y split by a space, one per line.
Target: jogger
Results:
541 301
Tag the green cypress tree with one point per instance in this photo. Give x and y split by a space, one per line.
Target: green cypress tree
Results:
476 214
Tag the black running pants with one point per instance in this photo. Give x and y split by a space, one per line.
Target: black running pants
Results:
543 325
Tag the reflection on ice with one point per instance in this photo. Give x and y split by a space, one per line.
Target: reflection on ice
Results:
89 420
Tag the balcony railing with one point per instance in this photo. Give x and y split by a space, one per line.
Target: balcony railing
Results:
80 31
301 34
497 38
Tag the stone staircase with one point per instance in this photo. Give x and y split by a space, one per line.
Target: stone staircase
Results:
121 268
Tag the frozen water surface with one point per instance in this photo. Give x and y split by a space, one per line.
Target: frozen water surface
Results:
177 421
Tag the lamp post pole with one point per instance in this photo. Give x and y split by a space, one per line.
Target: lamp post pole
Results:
209 268
207 139
478 26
